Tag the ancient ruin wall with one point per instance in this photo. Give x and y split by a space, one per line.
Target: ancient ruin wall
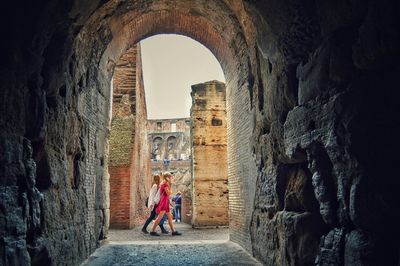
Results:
128 147
122 140
165 125
169 139
324 194
142 170
209 154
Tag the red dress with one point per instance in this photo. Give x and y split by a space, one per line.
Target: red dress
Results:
163 204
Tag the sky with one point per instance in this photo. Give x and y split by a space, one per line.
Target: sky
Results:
171 64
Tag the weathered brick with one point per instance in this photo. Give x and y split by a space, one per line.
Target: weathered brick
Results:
128 151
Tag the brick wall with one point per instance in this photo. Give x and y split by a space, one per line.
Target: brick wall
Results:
242 172
141 167
209 155
128 155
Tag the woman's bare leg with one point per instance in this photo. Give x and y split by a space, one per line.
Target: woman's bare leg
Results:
157 221
170 221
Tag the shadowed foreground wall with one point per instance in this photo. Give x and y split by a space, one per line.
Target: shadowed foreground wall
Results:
324 133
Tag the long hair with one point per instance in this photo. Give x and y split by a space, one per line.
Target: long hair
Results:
156 180
165 175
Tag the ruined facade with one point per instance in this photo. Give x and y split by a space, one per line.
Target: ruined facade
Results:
209 154
169 139
170 151
129 169
311 117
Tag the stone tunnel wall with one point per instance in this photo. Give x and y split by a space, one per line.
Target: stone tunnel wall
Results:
142 168
315 81
209 155
54 120
129 167
324 112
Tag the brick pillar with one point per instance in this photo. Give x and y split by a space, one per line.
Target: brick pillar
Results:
209 155
141 170
128 155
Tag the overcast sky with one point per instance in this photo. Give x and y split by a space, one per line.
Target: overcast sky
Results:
171 64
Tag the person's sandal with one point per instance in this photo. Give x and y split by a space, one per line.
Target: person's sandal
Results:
176 233
154 234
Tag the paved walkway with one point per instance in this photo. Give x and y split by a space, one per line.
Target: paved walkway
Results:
193 247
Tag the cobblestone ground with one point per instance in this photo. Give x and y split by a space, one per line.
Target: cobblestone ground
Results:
193 247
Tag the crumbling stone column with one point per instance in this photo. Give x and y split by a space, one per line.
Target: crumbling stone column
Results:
209 155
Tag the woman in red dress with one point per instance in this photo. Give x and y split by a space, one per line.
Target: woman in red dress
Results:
163 205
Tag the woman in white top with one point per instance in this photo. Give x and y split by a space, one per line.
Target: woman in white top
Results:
152 205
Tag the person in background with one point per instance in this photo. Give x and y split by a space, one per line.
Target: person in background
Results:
152 205
178 209
163 205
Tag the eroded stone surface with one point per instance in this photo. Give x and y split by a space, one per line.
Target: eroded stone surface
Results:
209 154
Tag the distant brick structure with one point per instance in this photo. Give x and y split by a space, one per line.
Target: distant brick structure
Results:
128 155
209 150
170 150
169 138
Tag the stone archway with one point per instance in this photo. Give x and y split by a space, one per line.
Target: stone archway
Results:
313 79
227 42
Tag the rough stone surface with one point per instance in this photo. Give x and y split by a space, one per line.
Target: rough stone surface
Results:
360 249
310 84
318 107
209 154
331 248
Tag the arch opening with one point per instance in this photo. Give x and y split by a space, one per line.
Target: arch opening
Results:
170 150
